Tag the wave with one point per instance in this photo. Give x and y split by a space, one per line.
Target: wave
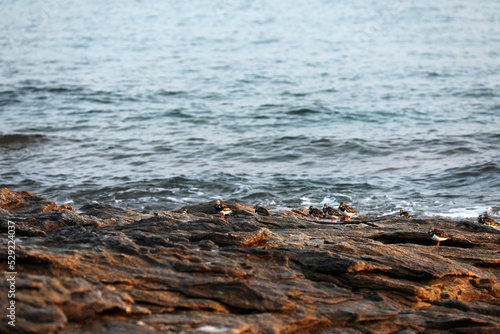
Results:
42 90
19 141
27 87
479 92
460 213
8 97
481 170
472 178
303 111
163 92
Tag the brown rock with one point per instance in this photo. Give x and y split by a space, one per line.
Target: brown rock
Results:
108 270
258 239
105 211
23 202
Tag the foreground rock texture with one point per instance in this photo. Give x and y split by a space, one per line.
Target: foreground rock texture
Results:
104 269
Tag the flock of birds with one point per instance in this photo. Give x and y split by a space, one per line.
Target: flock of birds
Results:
345 211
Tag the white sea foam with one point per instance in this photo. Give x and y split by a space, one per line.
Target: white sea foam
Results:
305 201
241 188
215 197
461 213
173 199
281 208
330 200
343 195
389 213
196 191
493 211
213 329
268 204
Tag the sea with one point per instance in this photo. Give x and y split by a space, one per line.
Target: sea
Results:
155 105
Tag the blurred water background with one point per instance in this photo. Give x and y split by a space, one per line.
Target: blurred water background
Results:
160 104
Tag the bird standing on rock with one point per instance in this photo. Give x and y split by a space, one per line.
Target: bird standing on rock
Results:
329 211
314 212
437 235
261 211
347 211
222 208
403 213
482 219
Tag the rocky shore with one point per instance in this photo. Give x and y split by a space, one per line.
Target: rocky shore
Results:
103 269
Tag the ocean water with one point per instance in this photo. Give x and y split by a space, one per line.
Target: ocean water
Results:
160 104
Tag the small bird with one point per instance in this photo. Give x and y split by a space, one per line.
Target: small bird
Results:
185 211
314 212
222 208
403 213
347 211
437 235
488 221
261 211
329 211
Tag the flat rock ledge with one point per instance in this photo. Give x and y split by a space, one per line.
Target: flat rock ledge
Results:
103 269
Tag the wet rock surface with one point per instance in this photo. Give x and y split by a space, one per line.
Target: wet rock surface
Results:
103 269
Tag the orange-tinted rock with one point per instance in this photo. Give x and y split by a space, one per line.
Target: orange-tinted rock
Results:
107 269
24 202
